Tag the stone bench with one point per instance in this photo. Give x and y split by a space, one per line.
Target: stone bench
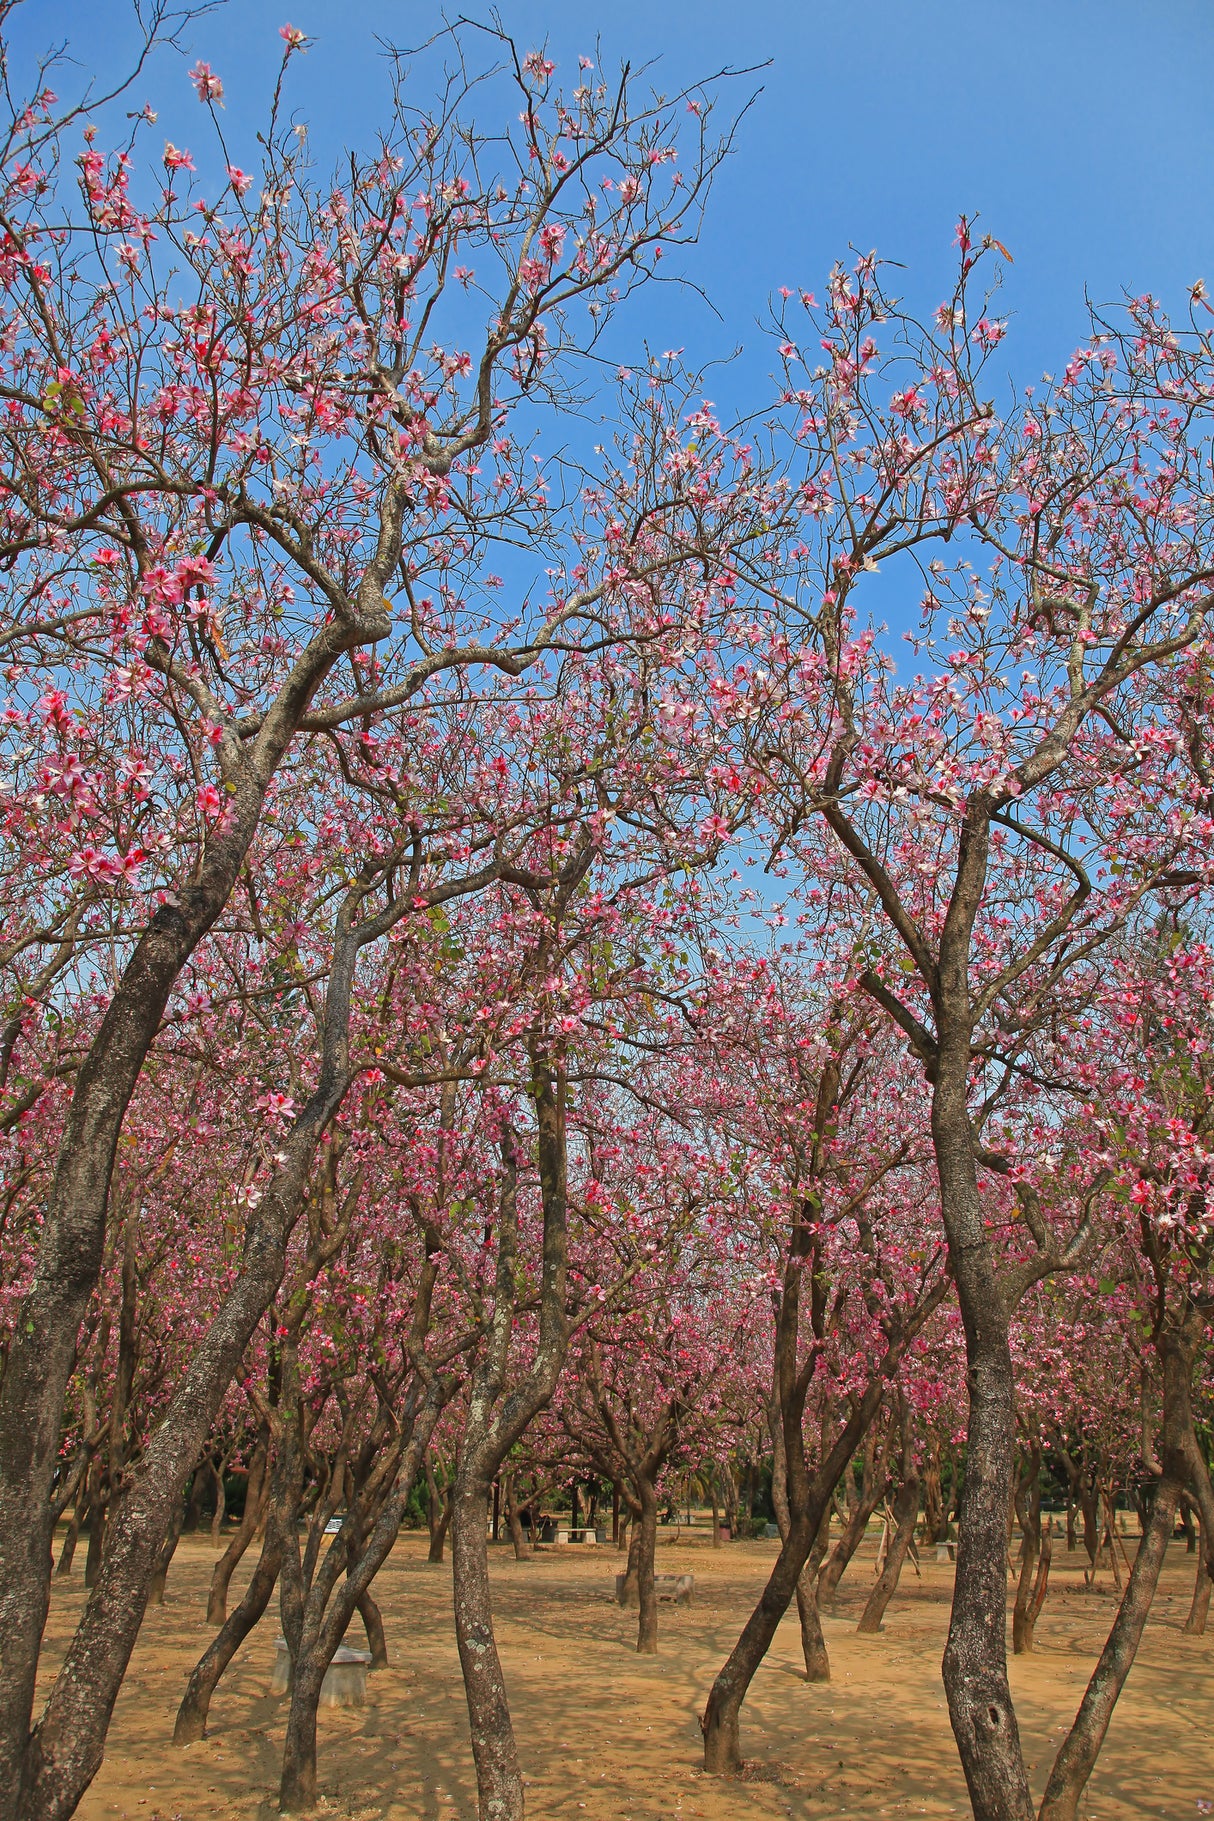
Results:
581 1533
345 1683
677 1587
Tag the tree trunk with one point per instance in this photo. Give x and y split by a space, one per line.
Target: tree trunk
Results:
1176 1342
98 1517
1077 1757
514 1523
221 1504
297 1784
64 1753
319 1601
438 1514
225 1567
168 1550
246 1530
722 1750
193 1513
1036 1548
721 1720
814 1653
72 1537
854 1533
196 1702
975 1657
498 1775
906 1512
813 1644
935 1521
495 1423
647 1593
631 1594
44 1774
731 1501
1031 1589
722 1714
1200 1480
63 1567
875 1455
373 1624
1195 1624
1089 1507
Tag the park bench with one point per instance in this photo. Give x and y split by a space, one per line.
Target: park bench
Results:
677 1587
345 1683
581 1533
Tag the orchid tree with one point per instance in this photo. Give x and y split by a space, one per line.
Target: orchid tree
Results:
267 477
681 1313
1154 1120
1006 796
821 1137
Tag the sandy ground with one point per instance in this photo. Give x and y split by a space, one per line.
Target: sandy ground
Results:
608 1736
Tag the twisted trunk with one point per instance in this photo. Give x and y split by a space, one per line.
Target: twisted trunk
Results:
44 1772
195 1706
813 1644
246 1530
905 1513
319 1600
514 1522
722 1715
872 1490
1203 1492
168 1549
814 1653
1176 1344
1199 1611
438 1513
1036 1549
373 1624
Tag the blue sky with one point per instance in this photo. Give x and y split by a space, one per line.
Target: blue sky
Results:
1080 130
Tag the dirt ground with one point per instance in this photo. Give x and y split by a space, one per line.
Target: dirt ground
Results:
607 1736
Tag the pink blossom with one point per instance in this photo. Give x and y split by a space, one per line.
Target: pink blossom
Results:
91 863
206 83
988 334
280 1106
